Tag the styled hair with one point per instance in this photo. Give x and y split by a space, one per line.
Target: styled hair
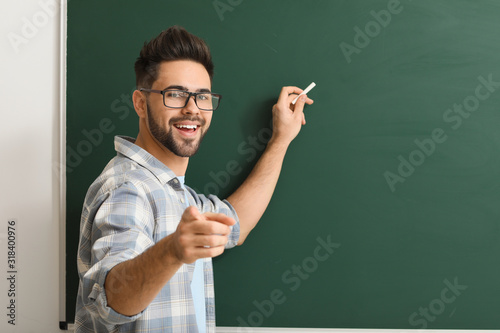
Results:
175 43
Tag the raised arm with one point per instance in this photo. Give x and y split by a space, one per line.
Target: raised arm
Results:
250 200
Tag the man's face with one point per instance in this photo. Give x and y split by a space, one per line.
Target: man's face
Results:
179 130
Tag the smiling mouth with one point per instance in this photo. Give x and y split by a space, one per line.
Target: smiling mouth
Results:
186 128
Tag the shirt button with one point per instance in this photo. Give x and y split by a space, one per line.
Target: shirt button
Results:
182 200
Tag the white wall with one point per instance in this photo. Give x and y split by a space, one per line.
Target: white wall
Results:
29 144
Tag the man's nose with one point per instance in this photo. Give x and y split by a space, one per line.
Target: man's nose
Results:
191 107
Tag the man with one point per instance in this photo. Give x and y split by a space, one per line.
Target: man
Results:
146 240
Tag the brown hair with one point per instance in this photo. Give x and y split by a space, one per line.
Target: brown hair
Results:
175 43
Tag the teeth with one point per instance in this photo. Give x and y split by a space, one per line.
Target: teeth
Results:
186 126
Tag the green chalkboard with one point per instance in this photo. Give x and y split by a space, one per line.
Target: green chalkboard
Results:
387 211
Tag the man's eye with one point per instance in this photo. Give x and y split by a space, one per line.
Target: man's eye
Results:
204 97
176 94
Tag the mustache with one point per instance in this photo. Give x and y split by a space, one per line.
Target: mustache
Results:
179 119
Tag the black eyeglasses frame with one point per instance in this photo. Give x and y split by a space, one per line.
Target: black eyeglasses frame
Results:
195 94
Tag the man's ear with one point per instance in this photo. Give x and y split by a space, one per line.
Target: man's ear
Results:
140 104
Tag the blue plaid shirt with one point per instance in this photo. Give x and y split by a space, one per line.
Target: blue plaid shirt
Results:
134 203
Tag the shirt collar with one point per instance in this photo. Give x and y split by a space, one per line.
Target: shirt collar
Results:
126 146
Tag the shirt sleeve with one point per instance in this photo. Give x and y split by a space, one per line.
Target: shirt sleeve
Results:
121 230
215 205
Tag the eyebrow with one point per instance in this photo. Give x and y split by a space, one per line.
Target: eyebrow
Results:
176 87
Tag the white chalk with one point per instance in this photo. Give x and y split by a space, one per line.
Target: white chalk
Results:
308 89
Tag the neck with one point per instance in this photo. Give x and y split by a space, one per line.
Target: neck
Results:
175 163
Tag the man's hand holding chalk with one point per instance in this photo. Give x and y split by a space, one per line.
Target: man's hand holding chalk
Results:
287 117
308 89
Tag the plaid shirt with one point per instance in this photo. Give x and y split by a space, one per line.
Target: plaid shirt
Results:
134 203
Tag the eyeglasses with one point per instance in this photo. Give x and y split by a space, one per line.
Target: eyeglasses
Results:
178 99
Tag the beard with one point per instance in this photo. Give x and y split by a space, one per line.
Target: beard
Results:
183 147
